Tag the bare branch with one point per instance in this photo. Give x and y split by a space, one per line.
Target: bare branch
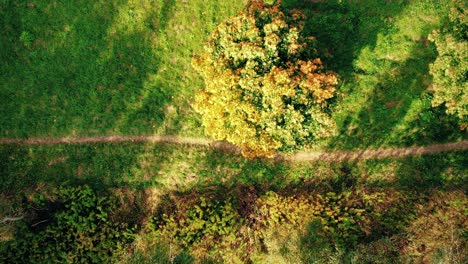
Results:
11 219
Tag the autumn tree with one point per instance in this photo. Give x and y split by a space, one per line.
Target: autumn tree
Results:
450 69
265 88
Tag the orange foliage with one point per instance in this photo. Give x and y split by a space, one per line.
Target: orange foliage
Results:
262 92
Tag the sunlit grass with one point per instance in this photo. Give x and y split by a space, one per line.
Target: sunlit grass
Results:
385 97
100 68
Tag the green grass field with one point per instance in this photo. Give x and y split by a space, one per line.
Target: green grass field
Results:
123 68
102 68
91 68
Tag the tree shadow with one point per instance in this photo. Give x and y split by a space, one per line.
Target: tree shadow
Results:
334 26
397 111
442 172
169 167
387 106
9 25
382 98
186 173
95 165
424 173
343 28
153 97
86 68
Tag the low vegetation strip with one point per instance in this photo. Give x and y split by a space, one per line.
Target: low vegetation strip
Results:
364 154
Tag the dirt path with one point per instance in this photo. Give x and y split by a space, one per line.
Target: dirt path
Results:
337 156
108 139
380 153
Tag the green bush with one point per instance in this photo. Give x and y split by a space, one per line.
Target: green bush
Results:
209 229
315 245
201 221
389 212
341 216
77 229
346 219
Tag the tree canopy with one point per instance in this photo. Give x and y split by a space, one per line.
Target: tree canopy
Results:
266 90
450 69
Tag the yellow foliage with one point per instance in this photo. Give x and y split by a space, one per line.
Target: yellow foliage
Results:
262 92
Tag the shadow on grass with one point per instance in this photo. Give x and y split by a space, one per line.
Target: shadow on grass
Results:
82 68
386 108
398 111
445 172
343 28
146 108
186 169
334 26
183 174
28 167
9 25
383 96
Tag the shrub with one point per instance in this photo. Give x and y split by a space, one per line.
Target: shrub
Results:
79 231
343 217
450 69
390 212
266 89
439 232
346 219
315 244
209 229
273 210
277 222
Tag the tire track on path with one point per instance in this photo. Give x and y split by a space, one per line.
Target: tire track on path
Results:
332 155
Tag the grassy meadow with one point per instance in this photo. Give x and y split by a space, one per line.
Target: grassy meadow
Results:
123 68
92 68
74 68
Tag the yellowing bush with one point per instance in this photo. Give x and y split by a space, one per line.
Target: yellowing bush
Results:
265 88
